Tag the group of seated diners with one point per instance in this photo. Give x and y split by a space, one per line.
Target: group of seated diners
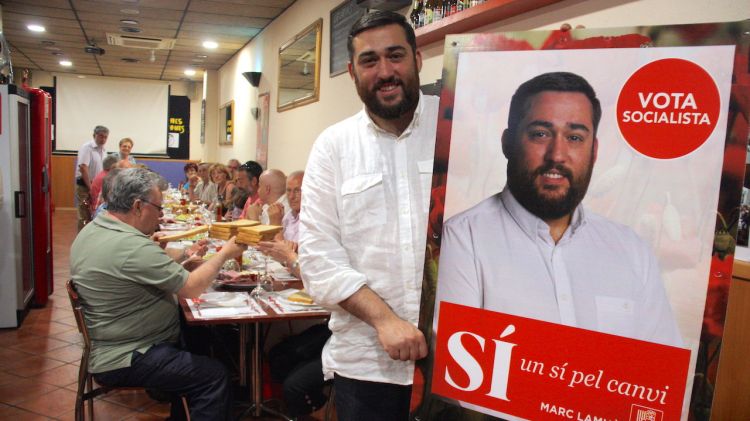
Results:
129 282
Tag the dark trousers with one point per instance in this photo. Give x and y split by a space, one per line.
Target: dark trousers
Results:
164 367
303 388
359 400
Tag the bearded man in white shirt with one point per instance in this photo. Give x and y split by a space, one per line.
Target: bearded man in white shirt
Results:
363 223
533 250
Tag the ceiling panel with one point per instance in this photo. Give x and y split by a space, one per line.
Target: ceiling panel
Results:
71 25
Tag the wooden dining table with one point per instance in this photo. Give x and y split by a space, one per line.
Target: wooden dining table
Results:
245 323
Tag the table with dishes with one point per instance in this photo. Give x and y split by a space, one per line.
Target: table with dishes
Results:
249 294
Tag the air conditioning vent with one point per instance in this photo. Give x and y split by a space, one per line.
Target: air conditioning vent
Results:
148 43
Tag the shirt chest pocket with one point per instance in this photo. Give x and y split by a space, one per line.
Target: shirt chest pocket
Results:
363 205
616 316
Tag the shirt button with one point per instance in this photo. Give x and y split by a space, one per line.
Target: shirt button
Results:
564 297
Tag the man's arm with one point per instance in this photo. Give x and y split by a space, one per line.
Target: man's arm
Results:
204 275
85 175
400 339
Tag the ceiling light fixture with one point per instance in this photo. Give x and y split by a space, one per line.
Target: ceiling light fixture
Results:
128 21
36 28
210 44
130 29
66 63
129 11
152 57
189 72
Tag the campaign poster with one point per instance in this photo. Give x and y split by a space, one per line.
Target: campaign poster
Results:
582 223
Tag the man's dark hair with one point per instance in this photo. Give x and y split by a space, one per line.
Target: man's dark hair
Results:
377 19
555 81
252 168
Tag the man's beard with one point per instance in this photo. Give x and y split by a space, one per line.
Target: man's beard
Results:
408 103
521 184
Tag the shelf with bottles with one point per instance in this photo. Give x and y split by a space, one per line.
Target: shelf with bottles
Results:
467 15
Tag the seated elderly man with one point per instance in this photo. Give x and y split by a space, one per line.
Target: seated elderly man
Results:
273 203
126 283
284 246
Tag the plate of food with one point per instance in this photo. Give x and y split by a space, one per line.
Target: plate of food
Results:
175 226
231 280
297 298
222 299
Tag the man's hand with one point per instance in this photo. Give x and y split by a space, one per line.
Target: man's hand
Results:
282 251
401 339
198 249
231 249
275 213
156 236
253 212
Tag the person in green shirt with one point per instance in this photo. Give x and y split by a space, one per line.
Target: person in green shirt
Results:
127 285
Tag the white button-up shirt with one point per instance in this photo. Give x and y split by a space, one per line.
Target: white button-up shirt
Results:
265 220
363 221
600 276
291 226
92 155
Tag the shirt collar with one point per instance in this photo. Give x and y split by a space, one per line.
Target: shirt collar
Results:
107 221
532 225
412 125
95 146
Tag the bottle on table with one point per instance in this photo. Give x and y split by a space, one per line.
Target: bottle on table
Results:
219 207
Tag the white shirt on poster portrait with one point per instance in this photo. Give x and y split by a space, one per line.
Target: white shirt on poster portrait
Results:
363 221
600 276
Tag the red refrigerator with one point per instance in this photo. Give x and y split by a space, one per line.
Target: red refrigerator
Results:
40 121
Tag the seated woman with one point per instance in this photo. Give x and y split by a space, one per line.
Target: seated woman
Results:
191 177
221 177
126 145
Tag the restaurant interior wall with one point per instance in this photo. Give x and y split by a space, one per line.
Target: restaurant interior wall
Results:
63 165
193 90
291 133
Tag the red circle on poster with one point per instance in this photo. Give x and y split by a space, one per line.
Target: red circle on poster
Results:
668 108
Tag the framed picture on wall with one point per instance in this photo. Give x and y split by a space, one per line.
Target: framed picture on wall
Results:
342 19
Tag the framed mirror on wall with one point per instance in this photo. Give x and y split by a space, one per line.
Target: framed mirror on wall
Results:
299 68
226 123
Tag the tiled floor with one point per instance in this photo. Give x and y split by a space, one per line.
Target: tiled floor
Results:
39 361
